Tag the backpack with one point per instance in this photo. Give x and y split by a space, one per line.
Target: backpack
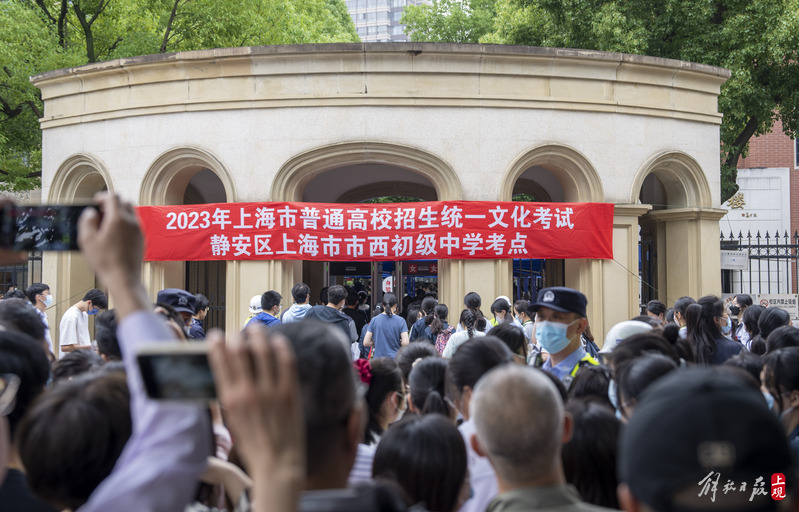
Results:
443 338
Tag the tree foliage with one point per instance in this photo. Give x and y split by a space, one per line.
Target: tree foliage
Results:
756 39
460 21
42 35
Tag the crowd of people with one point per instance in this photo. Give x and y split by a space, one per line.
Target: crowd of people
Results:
332 407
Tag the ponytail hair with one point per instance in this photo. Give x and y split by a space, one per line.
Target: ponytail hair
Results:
473 301
703 330
468 319
440 314
427 383
389 301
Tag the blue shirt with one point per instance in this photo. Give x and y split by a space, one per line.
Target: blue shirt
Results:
566 366
263 318
386 334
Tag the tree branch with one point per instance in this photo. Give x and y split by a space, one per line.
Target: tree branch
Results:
737 148
169 26
35 109
46 11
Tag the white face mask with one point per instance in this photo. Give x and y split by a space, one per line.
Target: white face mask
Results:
48 300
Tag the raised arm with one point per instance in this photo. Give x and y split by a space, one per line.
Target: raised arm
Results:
168 448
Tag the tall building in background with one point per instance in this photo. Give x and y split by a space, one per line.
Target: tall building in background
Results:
379 20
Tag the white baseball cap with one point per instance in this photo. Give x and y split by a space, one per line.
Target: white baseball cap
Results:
623 330
255 304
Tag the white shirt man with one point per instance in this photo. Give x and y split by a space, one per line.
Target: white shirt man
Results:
73 331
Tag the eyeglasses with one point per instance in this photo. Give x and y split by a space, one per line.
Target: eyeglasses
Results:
9 384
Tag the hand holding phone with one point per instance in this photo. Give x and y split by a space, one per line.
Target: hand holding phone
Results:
40 228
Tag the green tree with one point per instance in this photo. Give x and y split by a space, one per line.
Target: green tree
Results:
457 21
42 35
756 39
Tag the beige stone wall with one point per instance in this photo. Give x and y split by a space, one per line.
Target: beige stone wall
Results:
468 119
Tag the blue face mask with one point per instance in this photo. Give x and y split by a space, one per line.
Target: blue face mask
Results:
726 329
93 311
769 400
552 335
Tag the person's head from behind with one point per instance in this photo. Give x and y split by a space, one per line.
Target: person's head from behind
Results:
513 337
680 305
15 294
18 315
336 296
705 320
23 356
352 298
271 302
76 363
589 458
591 382
437 320
772 319
427 385
428 306
105 333
531 409
637 345
687 431
334 415
472 301
412 354
385 396
389 303
301 293
748 362
656 310
72 436
633 377
426 456
469 363
782 337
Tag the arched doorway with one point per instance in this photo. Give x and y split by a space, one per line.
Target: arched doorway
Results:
76 181
355 172
554 173
680 226
190 176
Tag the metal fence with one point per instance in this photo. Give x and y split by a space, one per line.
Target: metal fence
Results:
773 263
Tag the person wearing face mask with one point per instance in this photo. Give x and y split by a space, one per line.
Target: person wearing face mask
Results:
73 331
559 321
739 305
39 295
708 327
780 386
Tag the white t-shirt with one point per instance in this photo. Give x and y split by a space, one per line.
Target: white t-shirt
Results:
456 340
73 329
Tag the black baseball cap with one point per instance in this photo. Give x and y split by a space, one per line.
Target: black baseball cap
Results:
560 298
697 422
181 300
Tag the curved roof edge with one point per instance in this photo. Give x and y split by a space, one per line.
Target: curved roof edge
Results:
416 48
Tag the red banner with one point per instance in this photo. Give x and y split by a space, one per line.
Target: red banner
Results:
377 232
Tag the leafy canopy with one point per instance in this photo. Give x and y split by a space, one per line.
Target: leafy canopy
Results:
41 35
756 39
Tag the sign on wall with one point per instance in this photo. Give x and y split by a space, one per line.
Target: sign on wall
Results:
735 260
377 232
786 301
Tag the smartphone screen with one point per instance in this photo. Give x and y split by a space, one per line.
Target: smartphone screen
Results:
40 228
177 372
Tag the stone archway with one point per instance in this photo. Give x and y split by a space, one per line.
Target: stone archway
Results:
191 175
558 173
438 181
679 234
76 181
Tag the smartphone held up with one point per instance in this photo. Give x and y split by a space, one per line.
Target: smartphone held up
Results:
40 227
177 371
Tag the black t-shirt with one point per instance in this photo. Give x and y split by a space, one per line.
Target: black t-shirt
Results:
15 495
358 316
